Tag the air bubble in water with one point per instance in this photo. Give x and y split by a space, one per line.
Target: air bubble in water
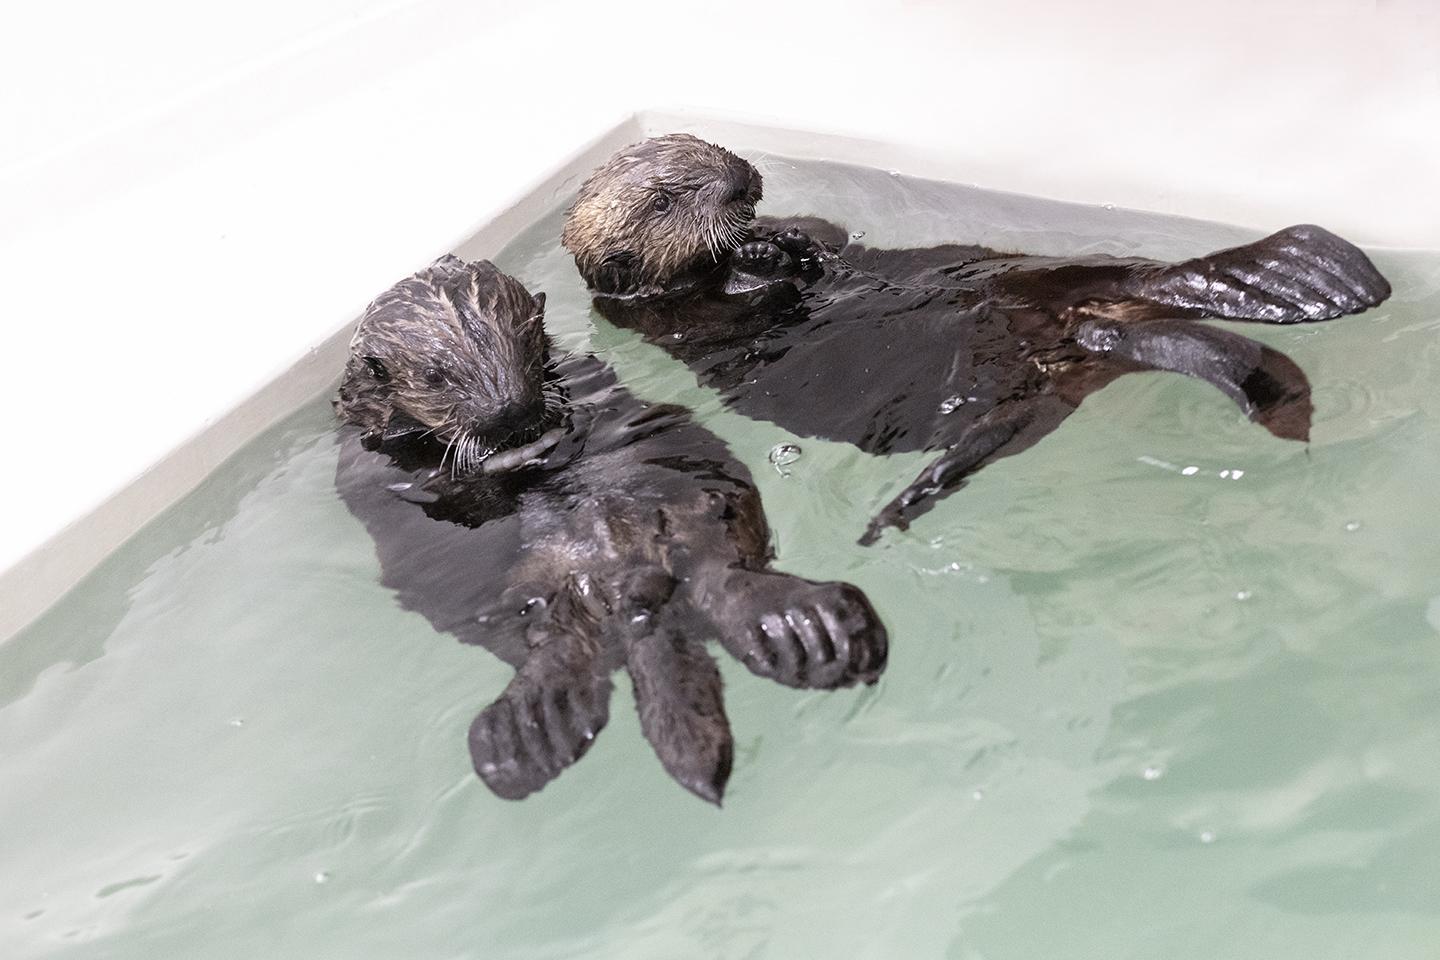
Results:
1207 836
322 877
1153 772
1243 595
951 404
1352 526
783 455
1189 471
237 721
978 795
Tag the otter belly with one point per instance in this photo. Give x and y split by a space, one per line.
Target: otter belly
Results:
886 369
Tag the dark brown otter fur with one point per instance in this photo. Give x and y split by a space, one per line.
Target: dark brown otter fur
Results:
961 349
624 536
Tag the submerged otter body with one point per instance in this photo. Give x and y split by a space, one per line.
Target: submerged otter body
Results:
573 530
960 349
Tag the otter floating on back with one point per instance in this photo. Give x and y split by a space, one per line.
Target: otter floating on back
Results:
529 505
960 349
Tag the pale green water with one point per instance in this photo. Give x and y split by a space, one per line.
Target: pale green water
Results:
1128 713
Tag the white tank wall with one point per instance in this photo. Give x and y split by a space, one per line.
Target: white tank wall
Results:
193 197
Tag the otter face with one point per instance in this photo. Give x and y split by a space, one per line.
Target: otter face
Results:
457 352
659 210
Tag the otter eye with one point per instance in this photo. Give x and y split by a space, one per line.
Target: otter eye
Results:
377 369
661 203
434 376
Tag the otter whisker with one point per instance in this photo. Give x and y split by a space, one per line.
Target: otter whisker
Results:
446 453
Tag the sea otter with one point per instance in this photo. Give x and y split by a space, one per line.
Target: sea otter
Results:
962 349
528 504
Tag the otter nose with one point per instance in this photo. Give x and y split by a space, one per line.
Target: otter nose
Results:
741 182
517 414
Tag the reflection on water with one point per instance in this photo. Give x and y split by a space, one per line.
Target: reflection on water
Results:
1162 686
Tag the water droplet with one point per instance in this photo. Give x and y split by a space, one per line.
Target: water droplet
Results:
1189 471
1153 772
1108 206
1224 474
1236 474
783 455
858 235
322 877
237 721
678 335
1352 526
893 173
951 404
1207 836
1243 595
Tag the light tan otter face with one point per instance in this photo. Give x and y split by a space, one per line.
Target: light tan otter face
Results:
460 349
659 210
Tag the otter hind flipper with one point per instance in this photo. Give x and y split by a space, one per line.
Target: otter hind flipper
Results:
550 712
1300 274
798 632
1268 386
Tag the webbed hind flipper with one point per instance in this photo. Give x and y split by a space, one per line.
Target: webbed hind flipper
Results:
552 709
796 631
1266 384
1300 274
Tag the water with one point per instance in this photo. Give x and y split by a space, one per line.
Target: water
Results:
1162 686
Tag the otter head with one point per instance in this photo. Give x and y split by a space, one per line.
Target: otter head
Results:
457 353
658 213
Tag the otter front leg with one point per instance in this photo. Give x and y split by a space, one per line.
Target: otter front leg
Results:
551 711
794 631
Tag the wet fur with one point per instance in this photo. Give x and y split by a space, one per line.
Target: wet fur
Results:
971 351
629 543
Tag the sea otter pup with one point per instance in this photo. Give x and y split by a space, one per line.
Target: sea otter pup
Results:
528 504
957 348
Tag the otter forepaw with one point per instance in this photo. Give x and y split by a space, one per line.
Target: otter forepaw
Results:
797 243
804 634
762 258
